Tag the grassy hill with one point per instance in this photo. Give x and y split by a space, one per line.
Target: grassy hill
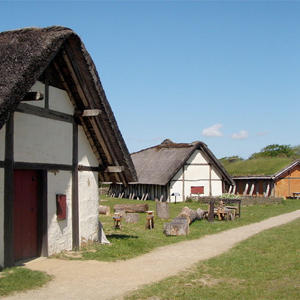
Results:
257 167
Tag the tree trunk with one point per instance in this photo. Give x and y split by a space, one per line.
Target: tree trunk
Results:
190 215
162 210
176 228
132 208
132 218
104 210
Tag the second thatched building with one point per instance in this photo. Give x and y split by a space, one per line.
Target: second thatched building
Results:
175 171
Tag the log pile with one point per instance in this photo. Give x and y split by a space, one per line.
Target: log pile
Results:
180 224
131 208
104 210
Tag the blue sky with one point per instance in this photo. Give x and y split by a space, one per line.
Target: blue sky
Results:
223 72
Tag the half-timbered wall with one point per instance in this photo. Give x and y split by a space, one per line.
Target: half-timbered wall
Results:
44 139
197 172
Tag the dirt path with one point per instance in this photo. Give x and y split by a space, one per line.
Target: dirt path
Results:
105 280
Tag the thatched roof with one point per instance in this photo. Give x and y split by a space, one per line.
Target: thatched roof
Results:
159 164
25 54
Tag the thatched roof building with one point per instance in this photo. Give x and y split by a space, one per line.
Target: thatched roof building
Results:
26 53
159 164
58 137
178 167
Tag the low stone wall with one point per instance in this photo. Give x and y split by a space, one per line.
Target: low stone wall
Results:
246 201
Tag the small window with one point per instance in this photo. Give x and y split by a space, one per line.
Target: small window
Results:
197 190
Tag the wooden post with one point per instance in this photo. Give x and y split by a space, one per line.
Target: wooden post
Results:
211 214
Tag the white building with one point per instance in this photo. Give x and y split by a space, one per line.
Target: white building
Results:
57 135
175 171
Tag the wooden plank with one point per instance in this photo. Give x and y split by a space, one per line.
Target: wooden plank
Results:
114 169
88 113
44 214
47 71
75 196
42 166
44 113
9 259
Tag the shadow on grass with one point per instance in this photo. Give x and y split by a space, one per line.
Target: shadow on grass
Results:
121 236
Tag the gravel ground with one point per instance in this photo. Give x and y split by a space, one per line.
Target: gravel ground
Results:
111 280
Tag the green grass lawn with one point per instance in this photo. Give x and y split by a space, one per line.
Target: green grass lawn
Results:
21 279
134 239
232 273
266 266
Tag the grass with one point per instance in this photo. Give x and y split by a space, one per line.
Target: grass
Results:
21 279
134 240
231 272
263 267
258 166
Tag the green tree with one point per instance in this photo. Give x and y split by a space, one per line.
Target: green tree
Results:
275 150
296 150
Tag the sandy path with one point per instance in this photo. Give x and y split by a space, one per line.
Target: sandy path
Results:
106 280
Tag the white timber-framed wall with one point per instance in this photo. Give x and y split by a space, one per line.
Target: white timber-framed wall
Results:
45 137
198 171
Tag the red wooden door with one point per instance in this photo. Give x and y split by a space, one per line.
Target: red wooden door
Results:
25 213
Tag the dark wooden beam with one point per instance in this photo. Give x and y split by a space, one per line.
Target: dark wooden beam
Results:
75 201
44 113
9 254
42 166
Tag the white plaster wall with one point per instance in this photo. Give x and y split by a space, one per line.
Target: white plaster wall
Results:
176 187
1 217
196 173
86 156
60 101
217 188
2 143
59 231
88 206
215 174
37 87
42 140
198 157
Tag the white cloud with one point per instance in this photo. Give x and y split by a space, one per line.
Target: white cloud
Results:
213 131
242 135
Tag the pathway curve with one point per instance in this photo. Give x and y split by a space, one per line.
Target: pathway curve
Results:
94 280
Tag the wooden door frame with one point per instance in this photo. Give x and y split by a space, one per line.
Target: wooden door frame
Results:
9 167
